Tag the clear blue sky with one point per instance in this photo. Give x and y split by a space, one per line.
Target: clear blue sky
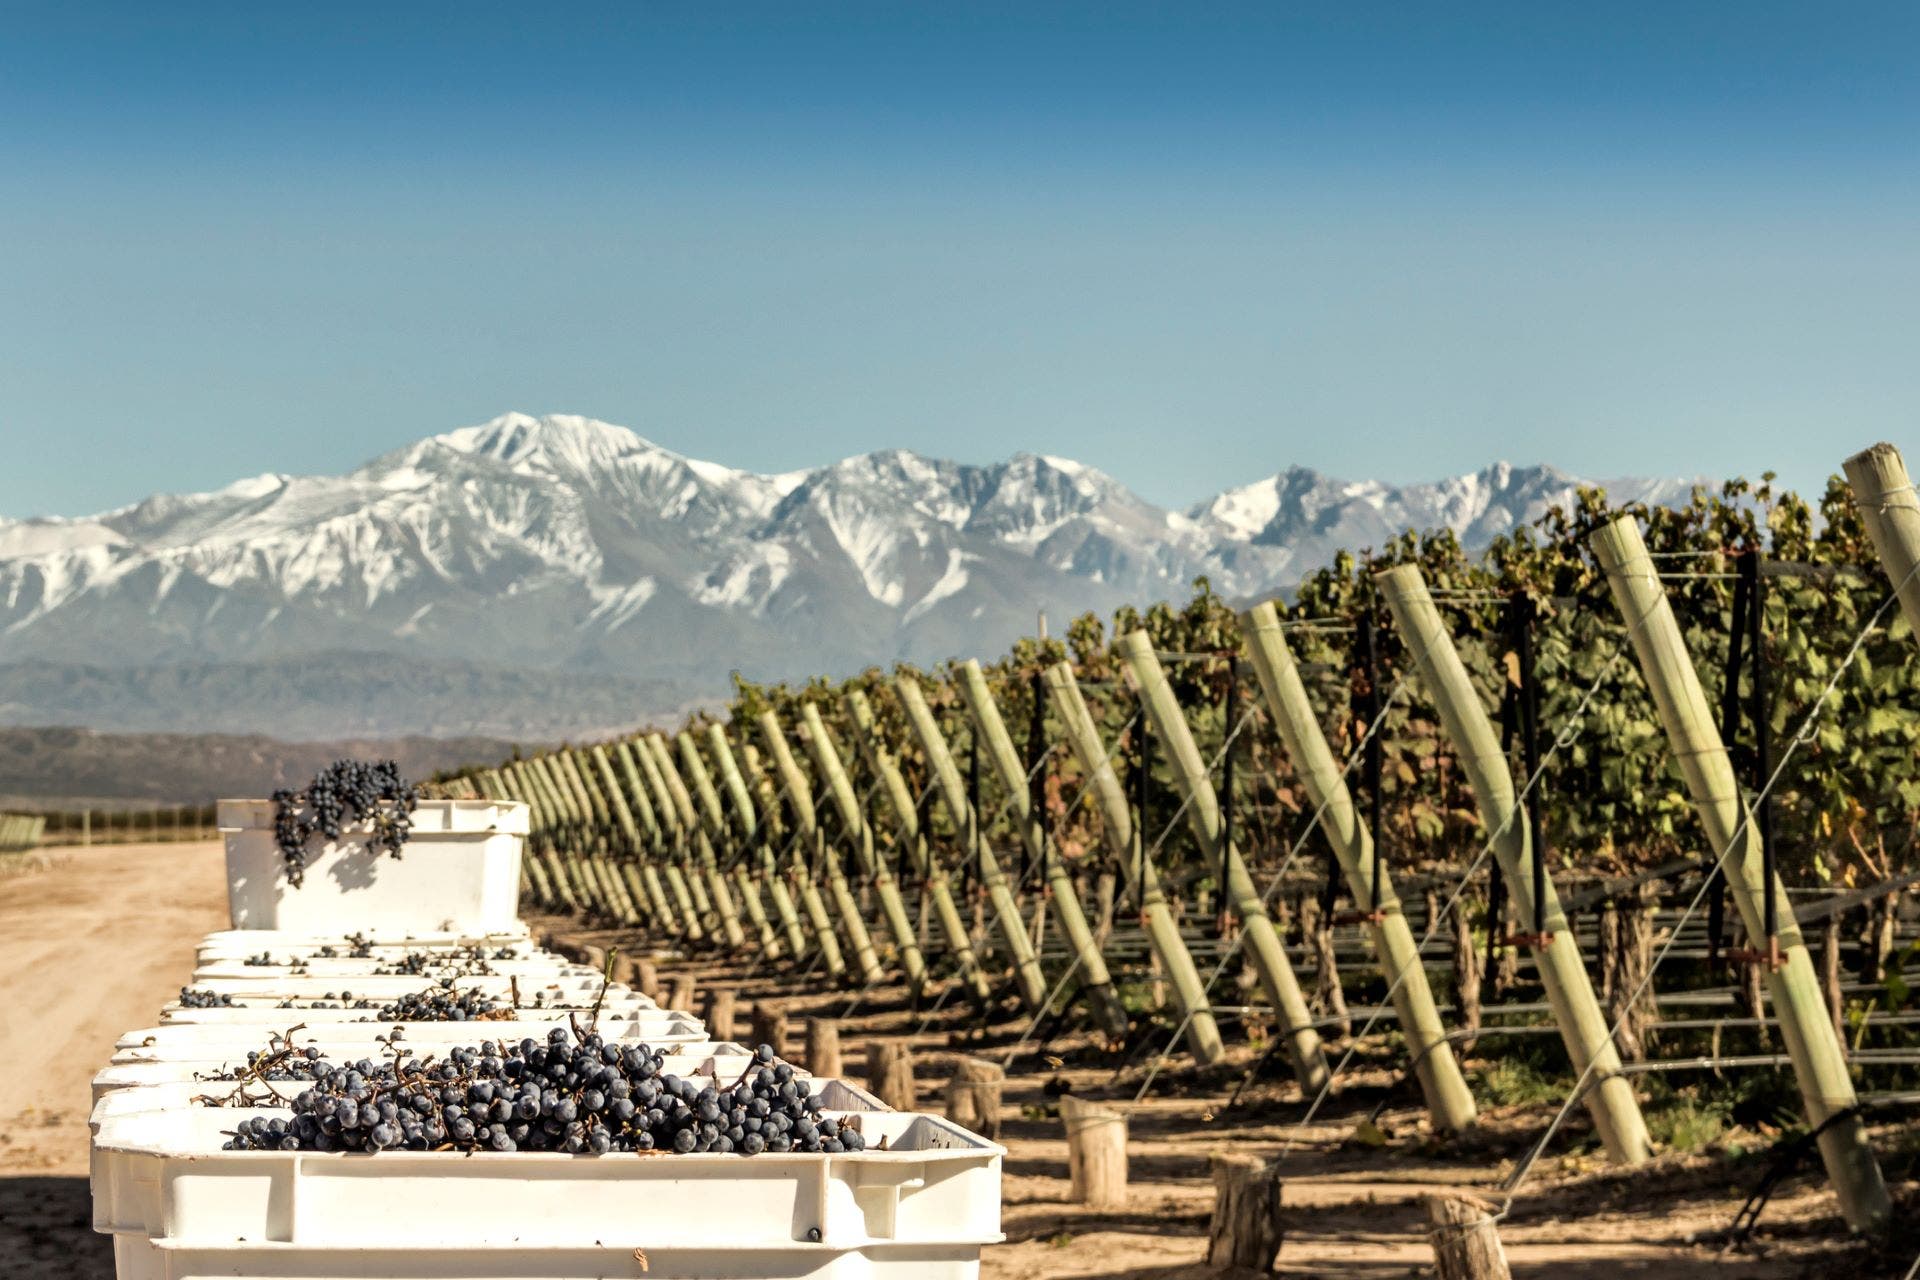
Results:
1187 243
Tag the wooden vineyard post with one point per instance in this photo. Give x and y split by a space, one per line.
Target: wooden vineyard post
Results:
890 1073
775 939
1449 1101
1169 949
823 1048
1466 1239
1819 1064
853 820
1883 493
973 1096
1203 819
937 888
1246 1229
770 1027
671 792
718 837
1028 978
1062 896
719 1013
1555 948
800 798
680 993
1096 1152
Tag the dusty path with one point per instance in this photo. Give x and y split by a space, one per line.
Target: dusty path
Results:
90 948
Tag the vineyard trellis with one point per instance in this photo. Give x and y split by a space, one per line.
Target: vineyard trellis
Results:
1494 740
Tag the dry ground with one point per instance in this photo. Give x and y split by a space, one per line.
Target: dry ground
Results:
91 945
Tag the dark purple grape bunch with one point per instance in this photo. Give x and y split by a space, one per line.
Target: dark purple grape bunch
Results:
580 1097
194 999
344 793
437 1004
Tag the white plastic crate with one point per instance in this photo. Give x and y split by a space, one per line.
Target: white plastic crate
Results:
247 942
542 967
184 1039
698 1057
620 1251
271 1016
459 873
388 986
161 1174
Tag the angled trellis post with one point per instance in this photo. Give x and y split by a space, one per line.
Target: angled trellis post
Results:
699 828
853 820
1116 824
1889 508
1556 953
845 902
688 897
653 845
1028 978
1062 896
1819 1063
795 876
764 803
1203 818
881 763
580 767
1449 1101
747 868
692 842
628 865
800 800
713 819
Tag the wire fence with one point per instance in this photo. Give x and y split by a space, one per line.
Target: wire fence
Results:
143 825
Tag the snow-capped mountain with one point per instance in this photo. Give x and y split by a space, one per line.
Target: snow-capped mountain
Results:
578 550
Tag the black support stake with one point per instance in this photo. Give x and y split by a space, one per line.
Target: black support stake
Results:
1226 780
1530 757
1370 764
1036 787
1142 782
1760 713
1738 625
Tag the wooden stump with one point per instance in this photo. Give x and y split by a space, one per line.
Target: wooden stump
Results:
680 993
1626 959
823 1048
1246 1229
890 1073
973 1096
643 976
1096 1152
719 1013
1466 1242
595 956
770 1027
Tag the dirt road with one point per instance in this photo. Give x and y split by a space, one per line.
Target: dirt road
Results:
90 948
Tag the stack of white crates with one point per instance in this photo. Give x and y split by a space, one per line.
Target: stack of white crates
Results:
920 1201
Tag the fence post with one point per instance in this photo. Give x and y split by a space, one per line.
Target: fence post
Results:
1818 1062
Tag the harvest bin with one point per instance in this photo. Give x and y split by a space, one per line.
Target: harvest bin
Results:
458 872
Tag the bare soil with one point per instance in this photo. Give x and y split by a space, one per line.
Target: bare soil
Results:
94 942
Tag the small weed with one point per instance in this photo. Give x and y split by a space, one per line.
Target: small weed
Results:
1687 1124
1062 1240
1517 1082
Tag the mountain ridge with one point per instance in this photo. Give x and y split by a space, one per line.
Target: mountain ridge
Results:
564 546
